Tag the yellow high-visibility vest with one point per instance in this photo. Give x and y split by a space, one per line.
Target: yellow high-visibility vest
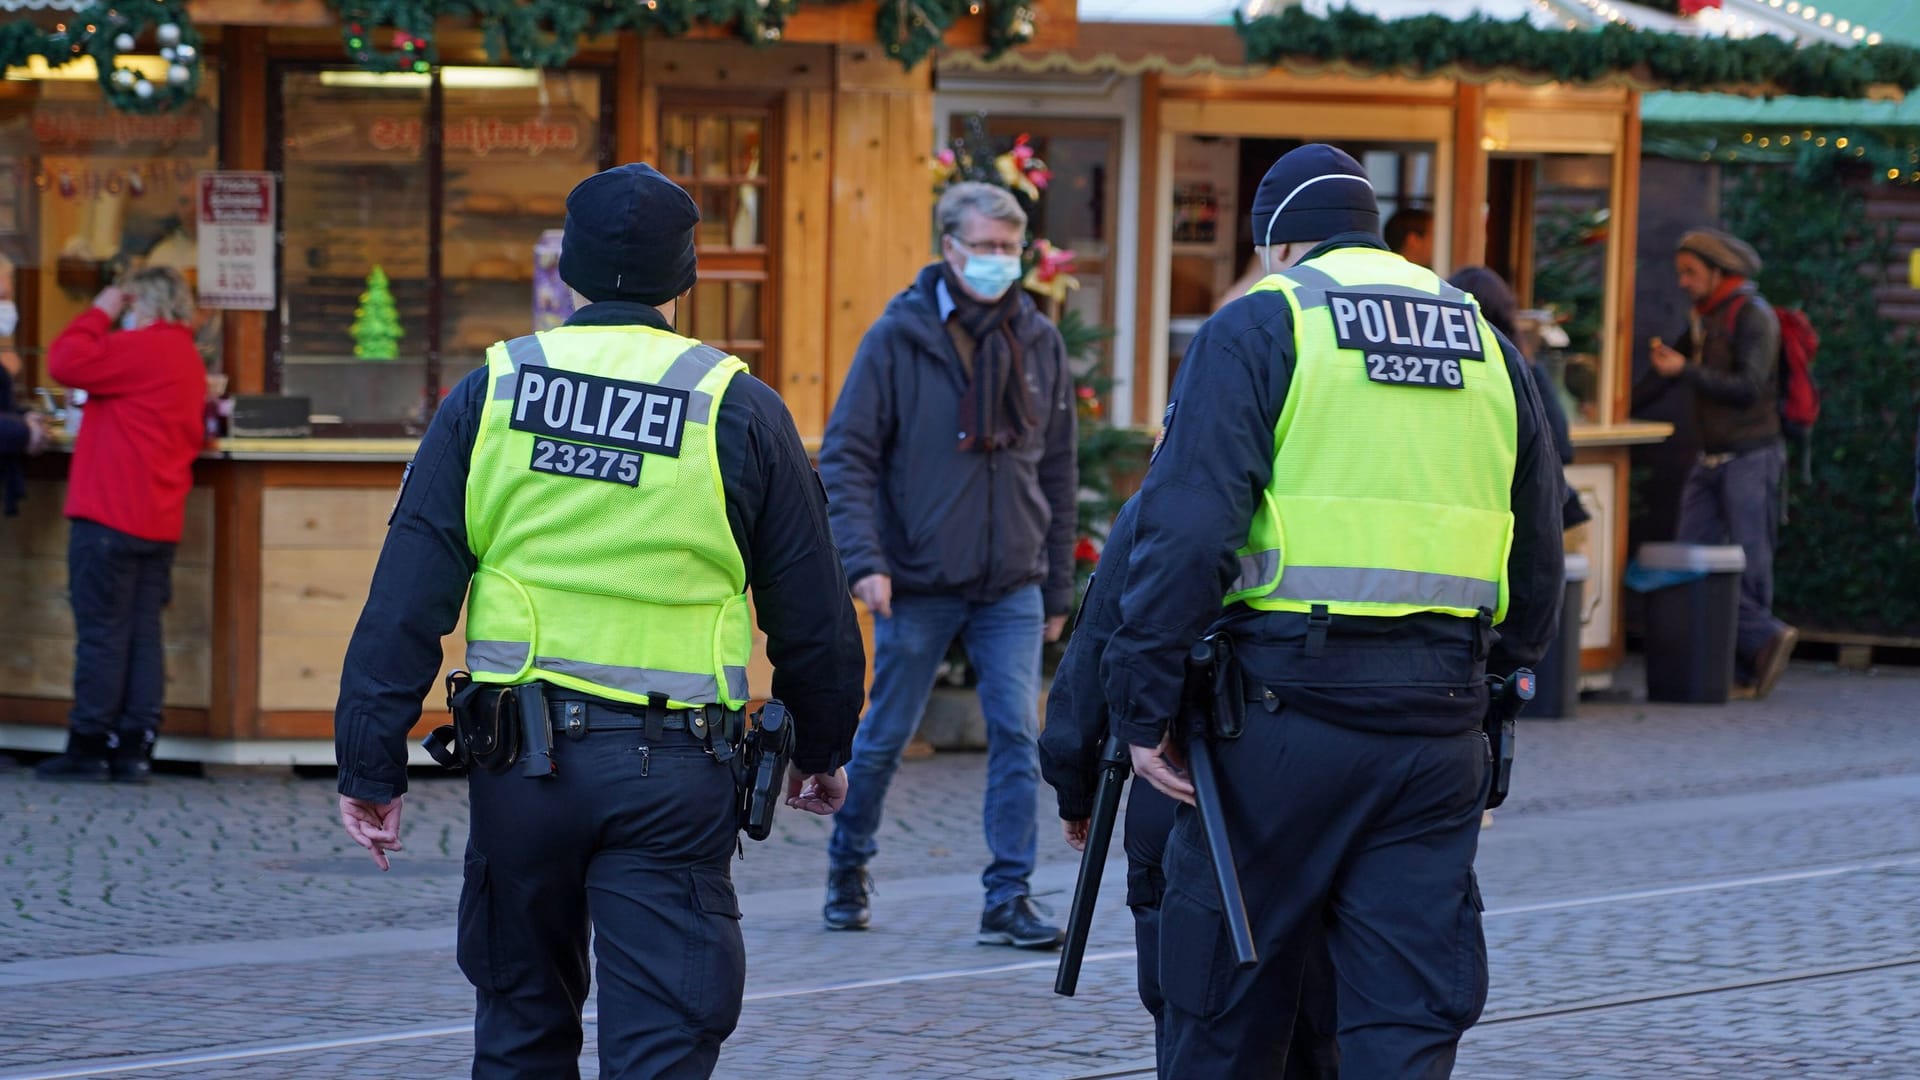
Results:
596 510
1393 457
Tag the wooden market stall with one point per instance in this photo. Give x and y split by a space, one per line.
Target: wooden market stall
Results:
447 178
1534 175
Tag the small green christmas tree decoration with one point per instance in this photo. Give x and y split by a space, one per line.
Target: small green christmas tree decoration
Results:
376 322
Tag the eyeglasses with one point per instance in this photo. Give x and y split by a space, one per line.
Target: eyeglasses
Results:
988 247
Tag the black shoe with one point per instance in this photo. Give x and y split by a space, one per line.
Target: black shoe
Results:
847 899
84 761
1017 923
132 759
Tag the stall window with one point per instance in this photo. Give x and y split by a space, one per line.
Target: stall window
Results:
1078 210
1552 243
405 257
88 193
721 152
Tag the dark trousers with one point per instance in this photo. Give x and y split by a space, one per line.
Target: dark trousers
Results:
118 584
1308 1045
1366 838
631 842
1739 502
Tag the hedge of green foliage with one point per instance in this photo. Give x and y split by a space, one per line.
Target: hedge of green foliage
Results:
1849 555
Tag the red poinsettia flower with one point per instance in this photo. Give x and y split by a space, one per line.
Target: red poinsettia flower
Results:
1085 552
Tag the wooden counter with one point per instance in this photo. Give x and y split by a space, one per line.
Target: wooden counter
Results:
1602 461
270 578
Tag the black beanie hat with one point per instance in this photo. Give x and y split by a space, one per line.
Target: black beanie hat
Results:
629 237
1313 192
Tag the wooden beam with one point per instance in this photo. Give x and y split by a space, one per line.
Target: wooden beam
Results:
806 209
243 146
1624 238
631 98
235 694
1469 176
1151 198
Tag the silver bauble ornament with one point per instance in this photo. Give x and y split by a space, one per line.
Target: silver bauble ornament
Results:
178 75
169 33
123 77
143 89
123 43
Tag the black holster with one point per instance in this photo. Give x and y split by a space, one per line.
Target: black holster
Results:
764 757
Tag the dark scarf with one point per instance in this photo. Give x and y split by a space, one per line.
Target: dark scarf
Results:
994 411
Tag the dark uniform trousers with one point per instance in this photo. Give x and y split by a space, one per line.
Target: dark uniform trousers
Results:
1369 836
632 841
1307 1045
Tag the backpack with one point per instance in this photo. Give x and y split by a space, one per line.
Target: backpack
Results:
1799 396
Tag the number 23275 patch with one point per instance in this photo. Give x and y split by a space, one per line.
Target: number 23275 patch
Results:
563 458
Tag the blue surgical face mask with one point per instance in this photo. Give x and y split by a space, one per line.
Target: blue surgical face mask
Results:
130 320
990 275
9 318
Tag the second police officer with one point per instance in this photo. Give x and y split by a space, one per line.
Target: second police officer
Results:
609 490
1356 467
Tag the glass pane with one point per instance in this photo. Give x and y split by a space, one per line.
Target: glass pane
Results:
715 206
743 310
748 228
356 213
710 138
746 145
677 137
1570 210
710 312
512 154
88 192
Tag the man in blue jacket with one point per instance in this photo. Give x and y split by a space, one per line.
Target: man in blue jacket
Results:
949 465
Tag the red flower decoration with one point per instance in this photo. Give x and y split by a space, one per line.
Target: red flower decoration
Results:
1085 552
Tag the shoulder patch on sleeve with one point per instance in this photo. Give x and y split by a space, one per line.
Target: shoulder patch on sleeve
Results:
405 475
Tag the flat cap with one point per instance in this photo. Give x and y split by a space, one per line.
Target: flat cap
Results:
1719 248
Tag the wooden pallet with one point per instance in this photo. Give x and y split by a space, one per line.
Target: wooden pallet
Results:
1856 652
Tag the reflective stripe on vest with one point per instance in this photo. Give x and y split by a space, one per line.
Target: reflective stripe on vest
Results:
631 590
1374 507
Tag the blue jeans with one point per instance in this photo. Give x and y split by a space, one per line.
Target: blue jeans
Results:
1739 502
119 585
1003 641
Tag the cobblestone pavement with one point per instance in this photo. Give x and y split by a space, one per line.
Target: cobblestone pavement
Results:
1672 892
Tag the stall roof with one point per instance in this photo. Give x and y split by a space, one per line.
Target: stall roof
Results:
1737 18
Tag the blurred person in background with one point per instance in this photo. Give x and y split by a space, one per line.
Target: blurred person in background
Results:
133 353
21 432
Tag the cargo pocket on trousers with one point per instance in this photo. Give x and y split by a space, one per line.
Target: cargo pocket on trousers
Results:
716 958
1195 968
473 947
1470 959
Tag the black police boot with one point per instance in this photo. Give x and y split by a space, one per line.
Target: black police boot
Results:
1016 923
132 761
847 899
85 760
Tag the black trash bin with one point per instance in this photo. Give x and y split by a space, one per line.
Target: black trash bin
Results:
1556 694
1692 626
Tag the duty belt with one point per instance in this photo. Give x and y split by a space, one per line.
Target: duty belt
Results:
577 716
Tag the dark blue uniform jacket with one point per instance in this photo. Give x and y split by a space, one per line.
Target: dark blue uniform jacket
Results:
777 511
1417 674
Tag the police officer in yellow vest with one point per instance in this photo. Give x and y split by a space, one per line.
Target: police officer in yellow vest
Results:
1357 473
608 491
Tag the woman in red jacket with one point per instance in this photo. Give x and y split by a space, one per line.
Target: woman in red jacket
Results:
126 506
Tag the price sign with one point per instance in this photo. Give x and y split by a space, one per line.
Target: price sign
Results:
236 238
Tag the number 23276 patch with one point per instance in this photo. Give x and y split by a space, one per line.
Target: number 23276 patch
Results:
563 458
1408 341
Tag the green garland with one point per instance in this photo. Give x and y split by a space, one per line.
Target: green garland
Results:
398 35
106 31
547 33
1431 43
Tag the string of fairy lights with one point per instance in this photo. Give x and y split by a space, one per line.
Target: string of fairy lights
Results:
1718 18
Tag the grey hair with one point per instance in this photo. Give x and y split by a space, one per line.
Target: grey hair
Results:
161 290
974 197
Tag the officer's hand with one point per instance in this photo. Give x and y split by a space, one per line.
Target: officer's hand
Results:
1164 767
875 591
1077 833
1056 625
817 793
1665 360
374 826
